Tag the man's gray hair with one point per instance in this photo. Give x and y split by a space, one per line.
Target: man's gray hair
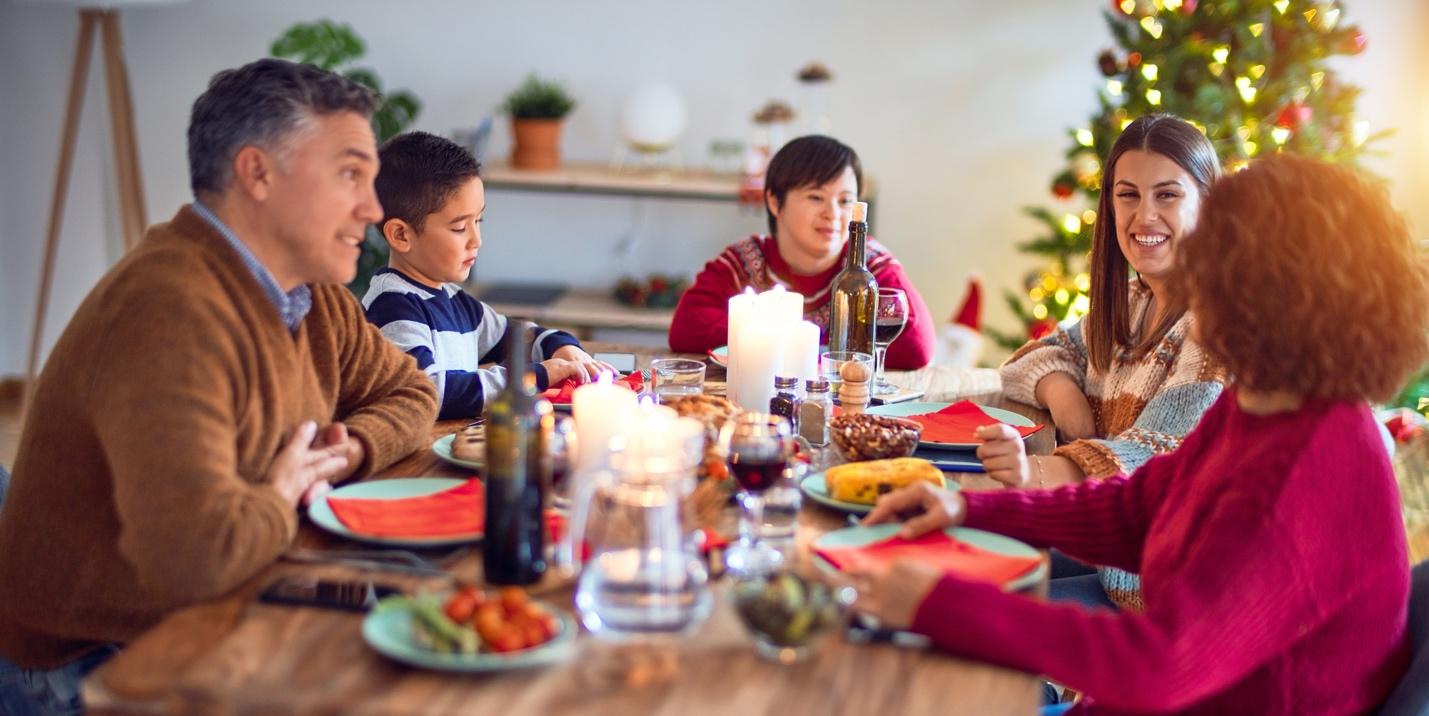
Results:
261 104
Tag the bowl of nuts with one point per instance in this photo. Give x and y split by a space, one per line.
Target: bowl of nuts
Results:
874 437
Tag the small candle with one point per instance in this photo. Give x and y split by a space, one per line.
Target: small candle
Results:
761 356
801 351
601 409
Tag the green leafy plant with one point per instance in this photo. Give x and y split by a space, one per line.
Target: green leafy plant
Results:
335 47
537 98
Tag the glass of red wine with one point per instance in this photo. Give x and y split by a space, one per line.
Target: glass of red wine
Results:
560 447
888 322
757 448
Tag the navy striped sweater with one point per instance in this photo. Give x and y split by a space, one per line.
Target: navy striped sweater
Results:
454 337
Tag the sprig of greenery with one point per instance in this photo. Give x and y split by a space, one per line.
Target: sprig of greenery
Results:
538 98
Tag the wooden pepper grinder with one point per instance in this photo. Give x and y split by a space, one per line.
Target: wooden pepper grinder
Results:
853 390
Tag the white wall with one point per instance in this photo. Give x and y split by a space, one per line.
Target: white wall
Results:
958 108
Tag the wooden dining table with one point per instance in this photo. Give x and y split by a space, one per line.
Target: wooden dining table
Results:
236 655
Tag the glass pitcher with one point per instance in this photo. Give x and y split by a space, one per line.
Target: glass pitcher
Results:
642 575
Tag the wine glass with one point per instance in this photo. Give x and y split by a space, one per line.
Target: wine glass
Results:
888 322
757 448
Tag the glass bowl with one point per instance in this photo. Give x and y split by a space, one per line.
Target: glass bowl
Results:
787 613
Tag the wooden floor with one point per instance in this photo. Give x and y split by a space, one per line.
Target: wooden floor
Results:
9 421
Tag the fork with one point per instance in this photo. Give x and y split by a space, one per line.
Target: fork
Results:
398 560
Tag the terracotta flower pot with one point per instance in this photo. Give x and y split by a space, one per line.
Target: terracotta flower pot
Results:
538 143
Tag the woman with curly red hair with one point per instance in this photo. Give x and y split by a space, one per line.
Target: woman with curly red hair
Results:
1270 545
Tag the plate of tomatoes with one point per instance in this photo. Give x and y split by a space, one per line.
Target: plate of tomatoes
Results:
470 630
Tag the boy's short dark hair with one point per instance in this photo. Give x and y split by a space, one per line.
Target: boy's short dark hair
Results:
813 160
420 171
262 103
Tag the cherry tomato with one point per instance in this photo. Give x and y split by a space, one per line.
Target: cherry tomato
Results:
460 607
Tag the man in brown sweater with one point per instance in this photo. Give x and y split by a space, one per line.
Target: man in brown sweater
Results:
217 375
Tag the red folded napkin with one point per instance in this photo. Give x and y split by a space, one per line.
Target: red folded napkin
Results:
449 513
958 423
455 512
562 391
937 549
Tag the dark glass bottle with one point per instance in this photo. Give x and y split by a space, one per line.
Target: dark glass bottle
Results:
854 299
785 402
517 427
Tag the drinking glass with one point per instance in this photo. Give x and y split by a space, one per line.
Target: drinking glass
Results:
888 322
757 447
831 365
560 449
677 377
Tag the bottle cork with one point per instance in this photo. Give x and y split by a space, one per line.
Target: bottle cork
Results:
860 211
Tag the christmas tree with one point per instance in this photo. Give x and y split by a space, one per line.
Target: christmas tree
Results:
1251 74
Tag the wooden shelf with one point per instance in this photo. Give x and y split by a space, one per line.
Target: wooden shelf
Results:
593 178
583 310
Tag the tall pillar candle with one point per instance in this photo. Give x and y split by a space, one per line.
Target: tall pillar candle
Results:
601 410
781 305
741 307
761 356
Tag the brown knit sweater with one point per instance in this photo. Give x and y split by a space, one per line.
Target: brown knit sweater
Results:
139 486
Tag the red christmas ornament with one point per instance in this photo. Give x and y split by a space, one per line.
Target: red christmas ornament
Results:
1354 43
1188 7
1039 328
1133 60
1063 191
1107 63
1293 116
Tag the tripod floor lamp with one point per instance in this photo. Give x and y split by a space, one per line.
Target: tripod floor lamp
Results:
105 22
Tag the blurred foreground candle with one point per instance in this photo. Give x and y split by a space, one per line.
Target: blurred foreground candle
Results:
601 410
760 357
801 351
741 308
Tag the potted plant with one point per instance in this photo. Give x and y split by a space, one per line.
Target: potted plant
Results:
537 108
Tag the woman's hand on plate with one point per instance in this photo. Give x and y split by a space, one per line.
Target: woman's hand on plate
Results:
931 508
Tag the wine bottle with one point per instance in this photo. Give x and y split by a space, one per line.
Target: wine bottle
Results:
517 426
854 299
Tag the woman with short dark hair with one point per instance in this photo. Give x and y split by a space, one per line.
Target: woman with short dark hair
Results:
1270 544
809 191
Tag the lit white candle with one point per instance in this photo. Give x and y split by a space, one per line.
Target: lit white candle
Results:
761 356
601 410
782 306
741 308
801 351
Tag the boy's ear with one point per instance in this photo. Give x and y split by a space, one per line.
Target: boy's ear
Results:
399 235
772 202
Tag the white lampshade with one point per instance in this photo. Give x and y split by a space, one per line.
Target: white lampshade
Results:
653 117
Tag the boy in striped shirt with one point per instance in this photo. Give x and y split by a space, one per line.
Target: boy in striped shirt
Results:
433 200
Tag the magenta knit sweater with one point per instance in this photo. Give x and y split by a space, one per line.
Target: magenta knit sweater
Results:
1273 564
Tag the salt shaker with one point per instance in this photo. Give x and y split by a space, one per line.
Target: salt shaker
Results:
815 411
853 392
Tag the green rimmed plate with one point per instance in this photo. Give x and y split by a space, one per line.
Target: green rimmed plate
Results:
388 630
992 542
818 490
904 410
320 512
443 449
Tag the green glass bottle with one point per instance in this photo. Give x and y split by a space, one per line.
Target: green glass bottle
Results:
517 426
854 298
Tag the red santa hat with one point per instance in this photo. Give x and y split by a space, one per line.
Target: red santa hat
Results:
970 314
